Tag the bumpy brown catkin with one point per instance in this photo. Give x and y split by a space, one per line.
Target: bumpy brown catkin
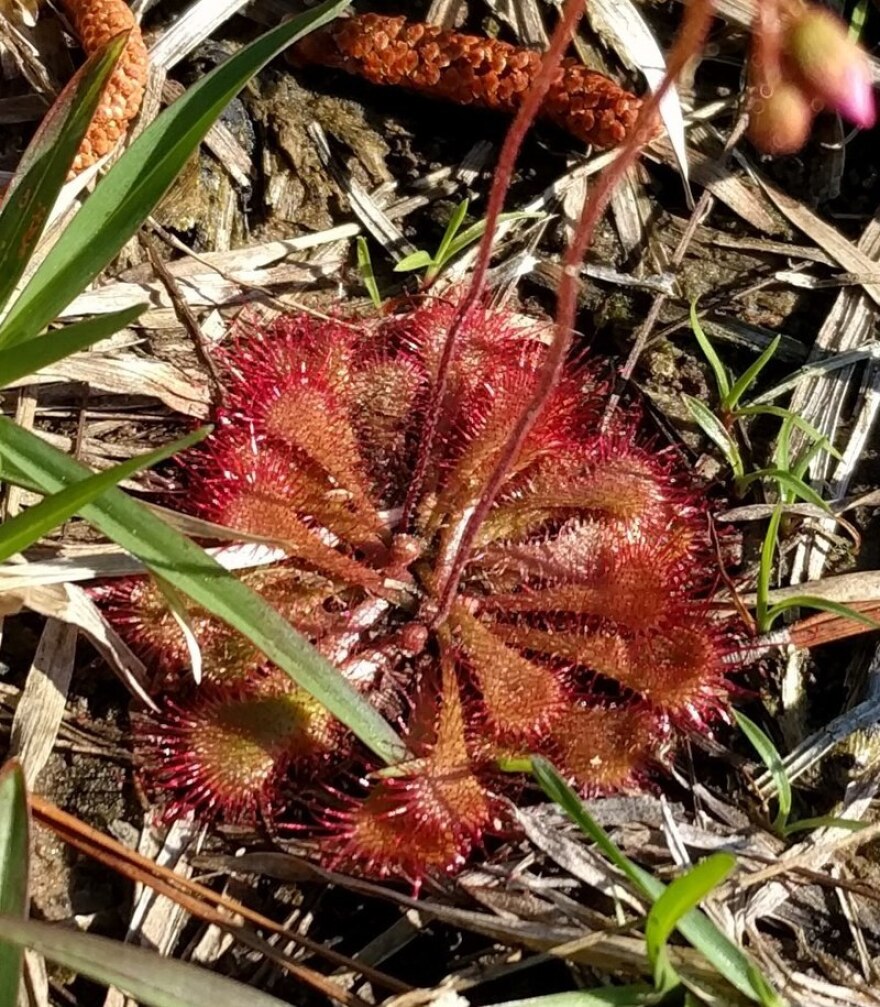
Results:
96 22
471 70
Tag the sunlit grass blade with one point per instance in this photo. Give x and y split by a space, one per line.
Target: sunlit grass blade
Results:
749 376
765 570
771 758
191 570
728 960
27 358
714 430
452 229
722 381
824 822
790 482
680 897
45 165
637 995
822 605
798 421
14 861
125 197
366 271
23 530
144 975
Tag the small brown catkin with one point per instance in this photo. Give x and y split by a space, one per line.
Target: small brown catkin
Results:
96 22
471 70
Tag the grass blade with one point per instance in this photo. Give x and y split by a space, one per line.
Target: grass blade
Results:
749 376
24 529
142 974
46 162
41 351
14 859
822 605
728 960
771 758
637 995
788 481
367 273
127 194
680 897
721 379
713 428
191 570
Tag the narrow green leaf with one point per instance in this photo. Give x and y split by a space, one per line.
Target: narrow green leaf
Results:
789 481
771 758
24 529
824 822
714 430
125 197
637 995
721 379
365 268
45 164
680 897
14 860
473 233
31 356
822 605
413 262
765 571
452 229
749 376
727 959
191 570
786 414
143 974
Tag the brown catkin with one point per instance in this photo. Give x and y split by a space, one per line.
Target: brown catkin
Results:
96 22
471 70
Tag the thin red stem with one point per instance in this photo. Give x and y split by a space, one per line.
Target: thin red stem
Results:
698 17
525 116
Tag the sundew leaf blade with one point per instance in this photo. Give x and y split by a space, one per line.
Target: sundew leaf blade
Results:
191 570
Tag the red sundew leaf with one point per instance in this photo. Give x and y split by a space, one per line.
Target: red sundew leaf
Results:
140 612
427 819
226 750
606 748
521 699
677 668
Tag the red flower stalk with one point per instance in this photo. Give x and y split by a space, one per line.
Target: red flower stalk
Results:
578 628
472 70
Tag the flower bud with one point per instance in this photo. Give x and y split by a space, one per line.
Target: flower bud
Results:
830 66
780 123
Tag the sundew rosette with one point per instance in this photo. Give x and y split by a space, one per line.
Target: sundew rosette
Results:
580 629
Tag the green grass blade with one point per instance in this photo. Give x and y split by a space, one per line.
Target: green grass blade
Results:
134 185
473 233
720 371
790 482
14 860
191 570
414 261
822 605
771 758
824 822
637 995
367 273
727 959
148 977
24 529
680 897
713 428
29 357
749 376
765 571
798 421
46 163
452 229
